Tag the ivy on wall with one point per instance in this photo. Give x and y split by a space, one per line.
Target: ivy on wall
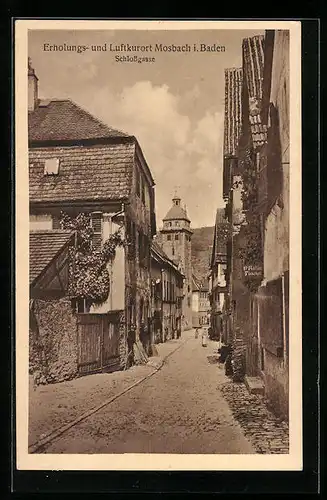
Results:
88 274
224 232
249 180
251 250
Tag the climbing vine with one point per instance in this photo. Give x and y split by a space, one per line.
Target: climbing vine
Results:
249 180
224 232
88 274
251 250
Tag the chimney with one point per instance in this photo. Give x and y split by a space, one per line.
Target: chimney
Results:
32 87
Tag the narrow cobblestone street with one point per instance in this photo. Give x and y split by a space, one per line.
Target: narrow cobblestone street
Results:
177 410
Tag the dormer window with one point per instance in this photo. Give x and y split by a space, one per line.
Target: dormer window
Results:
51 166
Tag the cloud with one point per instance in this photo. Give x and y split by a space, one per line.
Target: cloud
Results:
181 153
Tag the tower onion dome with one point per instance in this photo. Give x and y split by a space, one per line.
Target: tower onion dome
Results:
176 212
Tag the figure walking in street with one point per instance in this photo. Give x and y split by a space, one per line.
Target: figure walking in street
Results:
204 336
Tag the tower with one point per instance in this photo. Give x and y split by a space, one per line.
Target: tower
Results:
176 242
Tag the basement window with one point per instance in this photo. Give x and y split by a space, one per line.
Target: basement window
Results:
51 166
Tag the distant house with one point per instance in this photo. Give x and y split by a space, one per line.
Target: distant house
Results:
79 165
200 302
53 334
218 289
167 295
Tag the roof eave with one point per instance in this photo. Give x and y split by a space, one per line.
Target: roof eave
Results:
80 142
140 154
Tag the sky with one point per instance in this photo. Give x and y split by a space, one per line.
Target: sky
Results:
174 106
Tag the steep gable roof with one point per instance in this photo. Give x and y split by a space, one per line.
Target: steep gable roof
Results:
233 110
101 172
158 250
44 247
196 285
64 120
199 285
253 68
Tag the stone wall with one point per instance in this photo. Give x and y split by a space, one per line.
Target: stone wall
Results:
276 384
52 341
123 347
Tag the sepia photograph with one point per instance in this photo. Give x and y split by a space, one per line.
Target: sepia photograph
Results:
161 315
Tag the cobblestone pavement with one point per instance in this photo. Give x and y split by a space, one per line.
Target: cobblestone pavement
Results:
177 410
265 431
54 405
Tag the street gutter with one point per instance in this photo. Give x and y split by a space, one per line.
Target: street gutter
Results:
41 443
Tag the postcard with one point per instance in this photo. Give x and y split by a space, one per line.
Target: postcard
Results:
158 245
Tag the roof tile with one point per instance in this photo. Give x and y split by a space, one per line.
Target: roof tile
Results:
63 120
44 246
233 110
253 66
101 172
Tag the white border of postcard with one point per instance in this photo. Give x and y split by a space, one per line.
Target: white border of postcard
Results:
26 461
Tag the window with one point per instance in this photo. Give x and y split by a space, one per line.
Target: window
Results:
142 190
168 237
140 246
177 224
169 224
173 251
176 237
56 222
131 240
138 181
51 166
96 223
143 247
81 306
41 221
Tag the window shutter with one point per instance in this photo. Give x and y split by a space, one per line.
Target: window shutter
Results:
56 222
96 223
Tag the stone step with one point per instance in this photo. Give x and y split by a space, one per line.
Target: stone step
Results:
254 385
